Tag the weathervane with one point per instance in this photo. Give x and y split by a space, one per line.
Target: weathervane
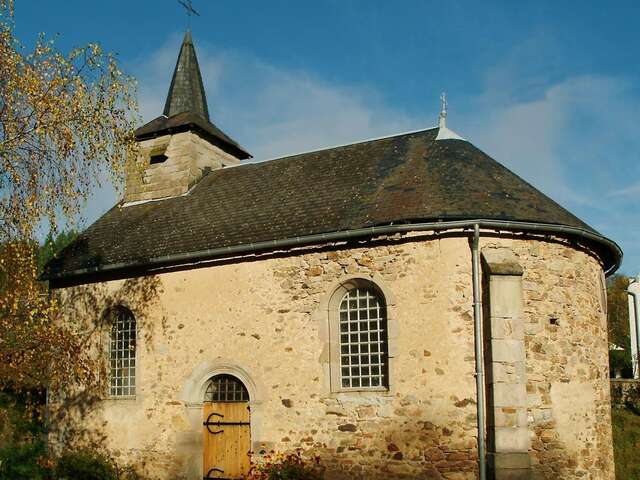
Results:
442 123
190 10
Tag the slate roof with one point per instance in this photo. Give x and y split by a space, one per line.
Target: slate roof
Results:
406 178
186 92
186 105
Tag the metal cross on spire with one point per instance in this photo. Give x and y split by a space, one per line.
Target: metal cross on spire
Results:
443 132
442 122
189 9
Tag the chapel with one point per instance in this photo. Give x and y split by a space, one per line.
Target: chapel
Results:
400 307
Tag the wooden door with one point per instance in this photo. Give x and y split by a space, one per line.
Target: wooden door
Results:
227 440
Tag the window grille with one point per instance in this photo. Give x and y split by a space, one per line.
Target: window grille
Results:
225 388
363 340
122 354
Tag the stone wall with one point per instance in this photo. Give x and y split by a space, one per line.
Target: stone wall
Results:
262 319
188 158
567 362
625 391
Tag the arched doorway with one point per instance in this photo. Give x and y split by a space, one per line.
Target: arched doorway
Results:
227 428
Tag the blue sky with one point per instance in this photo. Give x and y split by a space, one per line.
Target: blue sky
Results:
550 89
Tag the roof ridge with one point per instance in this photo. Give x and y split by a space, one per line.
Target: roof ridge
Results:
332 147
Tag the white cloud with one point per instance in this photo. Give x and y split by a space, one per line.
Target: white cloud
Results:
565 141
630 191
569 138
272 111
523 136
578 141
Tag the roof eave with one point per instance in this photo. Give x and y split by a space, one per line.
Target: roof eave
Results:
610 264
232 148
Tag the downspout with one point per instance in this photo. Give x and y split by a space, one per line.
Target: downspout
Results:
634 296
477 320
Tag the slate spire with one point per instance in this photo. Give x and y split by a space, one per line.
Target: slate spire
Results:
186 93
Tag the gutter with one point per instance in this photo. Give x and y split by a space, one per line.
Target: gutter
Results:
442 226
477 333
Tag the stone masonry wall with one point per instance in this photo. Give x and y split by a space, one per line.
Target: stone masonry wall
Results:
263 320
189 155
569 406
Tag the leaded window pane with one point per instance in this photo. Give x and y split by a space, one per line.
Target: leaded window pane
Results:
363 340
122 354
225 388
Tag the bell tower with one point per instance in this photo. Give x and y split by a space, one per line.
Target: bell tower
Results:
182 145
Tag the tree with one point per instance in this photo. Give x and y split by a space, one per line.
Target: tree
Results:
618 324
66 120
52 246
618 309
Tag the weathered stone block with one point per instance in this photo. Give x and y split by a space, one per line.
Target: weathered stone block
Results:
509 395
505 296
501 261
506 350
509 461
508 417
507 439
507 328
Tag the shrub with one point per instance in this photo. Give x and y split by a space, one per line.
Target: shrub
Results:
286 466
86 465
620 362
23 462
23 449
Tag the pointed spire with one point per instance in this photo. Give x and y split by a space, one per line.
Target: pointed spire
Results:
186 106
186 93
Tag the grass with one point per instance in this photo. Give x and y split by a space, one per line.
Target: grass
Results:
626 443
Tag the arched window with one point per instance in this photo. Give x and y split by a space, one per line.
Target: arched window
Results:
122 354
225 388
363 361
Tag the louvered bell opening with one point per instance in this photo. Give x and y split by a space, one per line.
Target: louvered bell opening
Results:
158 154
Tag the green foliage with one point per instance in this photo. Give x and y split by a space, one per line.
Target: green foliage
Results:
22 448
620 361
618 310
18 417
286 466
631 399
618 325
86 464
626 443
26 461
29 460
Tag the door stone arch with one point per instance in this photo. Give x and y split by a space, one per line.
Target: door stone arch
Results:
193 395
